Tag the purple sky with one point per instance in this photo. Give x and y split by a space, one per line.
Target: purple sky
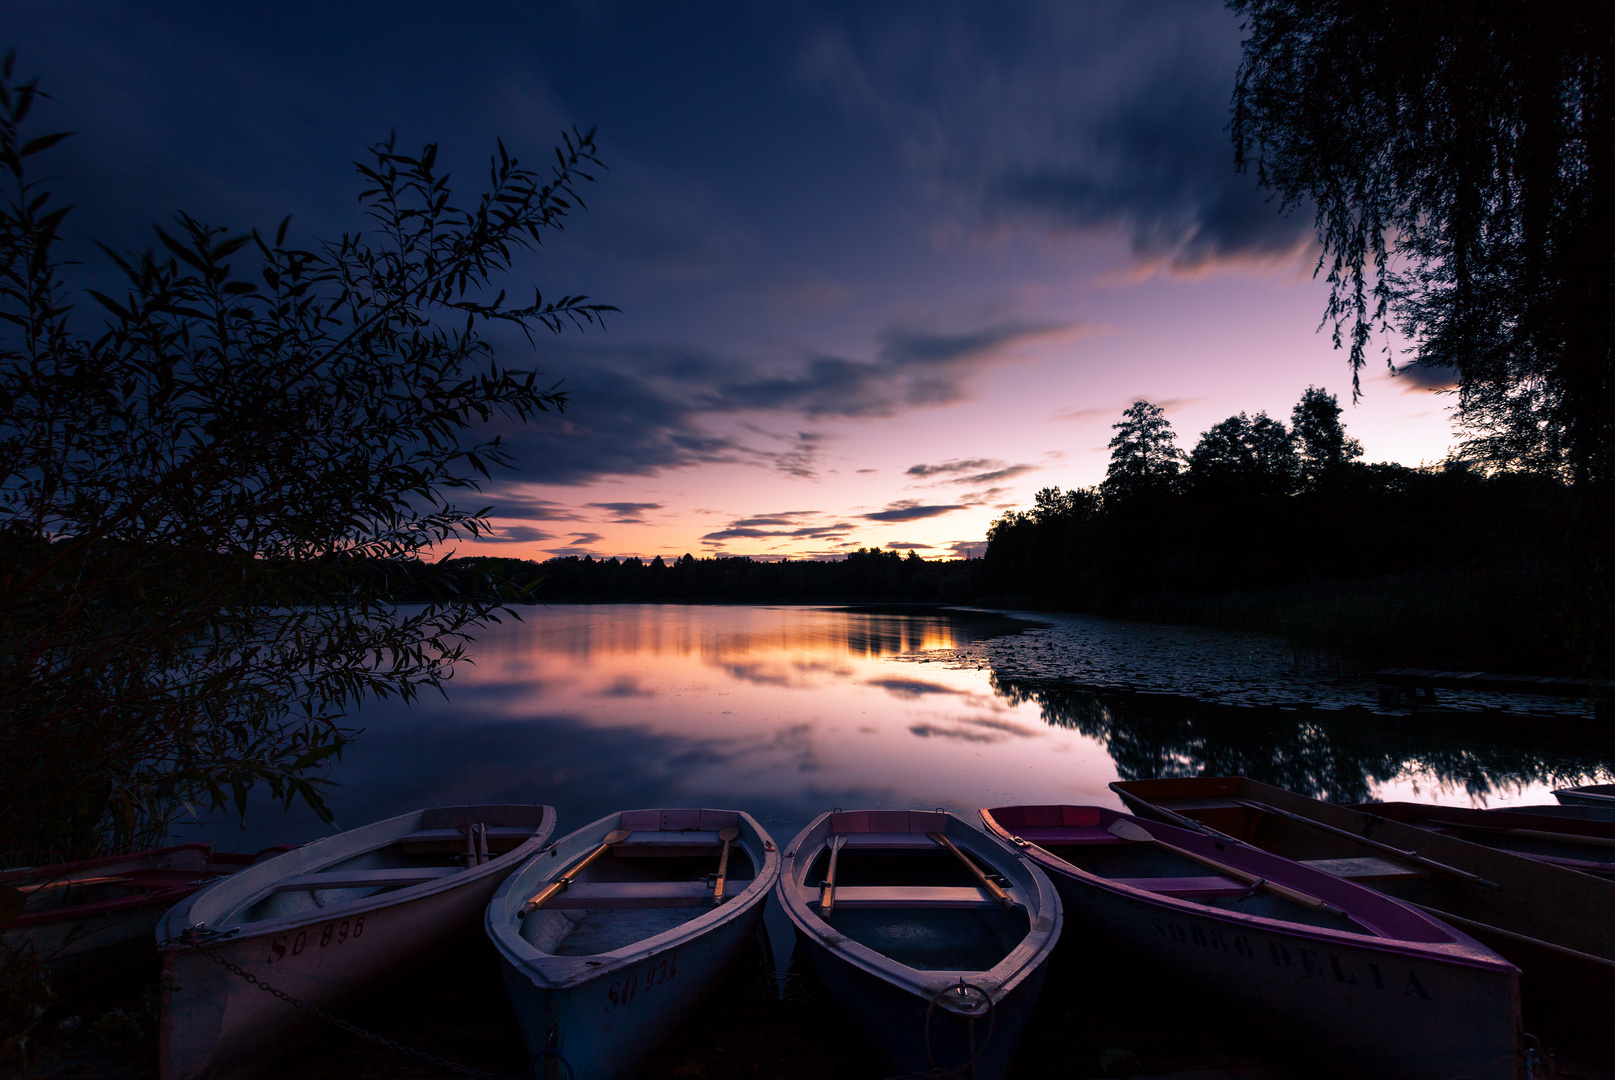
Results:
884 269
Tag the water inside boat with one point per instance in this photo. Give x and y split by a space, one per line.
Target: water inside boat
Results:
632 896
971 938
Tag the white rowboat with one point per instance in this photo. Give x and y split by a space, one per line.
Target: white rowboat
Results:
603 968
323 920
932 935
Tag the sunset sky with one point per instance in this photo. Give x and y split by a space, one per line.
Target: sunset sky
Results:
885 270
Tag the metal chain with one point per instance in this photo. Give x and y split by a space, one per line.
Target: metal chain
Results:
337 1021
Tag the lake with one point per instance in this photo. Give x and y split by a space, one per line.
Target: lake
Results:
787 711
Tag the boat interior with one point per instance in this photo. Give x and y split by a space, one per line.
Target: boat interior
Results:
899 892
661 876
445 842
119 882
1080 836
1585 845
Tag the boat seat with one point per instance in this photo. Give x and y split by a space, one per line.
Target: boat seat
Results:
1365 868
668 844
365 879
449 841
639 894
1188 888
911 896
1063 835
889 841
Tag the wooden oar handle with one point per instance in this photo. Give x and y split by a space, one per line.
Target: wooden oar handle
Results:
987 883
560 883
723 870
827 896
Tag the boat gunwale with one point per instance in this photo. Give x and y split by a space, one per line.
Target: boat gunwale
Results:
163 897
255 882
998 981
1461 949
549 971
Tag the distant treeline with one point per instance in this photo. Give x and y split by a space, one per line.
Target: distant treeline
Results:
1277 528
866 574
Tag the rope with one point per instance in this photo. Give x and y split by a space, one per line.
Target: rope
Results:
199 944
968 1067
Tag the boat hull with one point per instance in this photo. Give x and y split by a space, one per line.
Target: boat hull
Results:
898 1021
606 1028
899 1003
1553 923
216 1025
1380 1013
598 1015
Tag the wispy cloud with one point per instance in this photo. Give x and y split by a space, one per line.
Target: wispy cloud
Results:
626 513
910 510
513 534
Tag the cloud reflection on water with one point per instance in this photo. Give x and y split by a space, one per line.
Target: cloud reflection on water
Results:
790 711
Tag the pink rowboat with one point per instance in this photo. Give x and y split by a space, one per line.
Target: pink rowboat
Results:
1366 985
323 921
84 918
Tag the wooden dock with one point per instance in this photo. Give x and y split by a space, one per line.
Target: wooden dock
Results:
1399 686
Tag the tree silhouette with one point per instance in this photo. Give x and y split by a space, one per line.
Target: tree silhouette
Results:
1144 455
1322 446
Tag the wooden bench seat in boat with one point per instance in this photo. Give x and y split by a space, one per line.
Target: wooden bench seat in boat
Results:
635 894
668 844
1188 888
911 896
366 879
1364 869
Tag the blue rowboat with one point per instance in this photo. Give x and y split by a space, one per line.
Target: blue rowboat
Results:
1307 957
933 936
321 922
629 931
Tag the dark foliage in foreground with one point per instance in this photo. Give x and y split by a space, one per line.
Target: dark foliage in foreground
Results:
209 481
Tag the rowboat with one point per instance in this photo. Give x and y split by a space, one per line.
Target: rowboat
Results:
1554 924
1585 845
321 921
610 937
1283 948
933 936
1601 796
83 918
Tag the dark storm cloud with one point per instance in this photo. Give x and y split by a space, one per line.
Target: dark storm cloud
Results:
909 510
1065 117
626 513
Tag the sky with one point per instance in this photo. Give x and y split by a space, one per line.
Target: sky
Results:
884 270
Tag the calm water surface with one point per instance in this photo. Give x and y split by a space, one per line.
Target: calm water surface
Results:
789 711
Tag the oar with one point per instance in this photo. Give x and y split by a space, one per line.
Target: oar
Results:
615 836
986 882
728 836
1535 834
68 883
1131 830
1413 858
827 899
